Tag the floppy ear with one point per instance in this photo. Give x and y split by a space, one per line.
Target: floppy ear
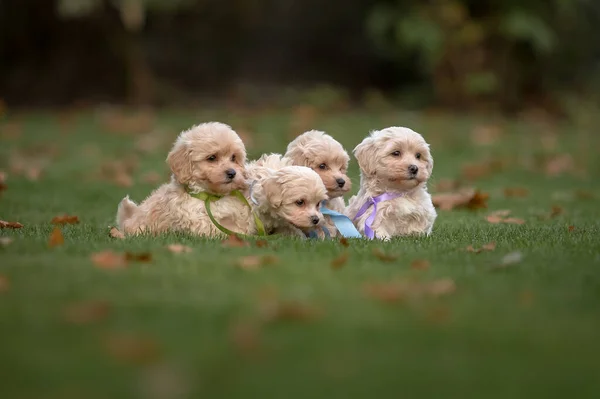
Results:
365 154
429 161
179 161
272 191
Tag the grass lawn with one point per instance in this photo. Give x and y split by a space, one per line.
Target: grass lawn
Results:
198 325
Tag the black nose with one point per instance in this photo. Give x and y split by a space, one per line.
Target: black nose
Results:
230 173
340 182
314 219
413 169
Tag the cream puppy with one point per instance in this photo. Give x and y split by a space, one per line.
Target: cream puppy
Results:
208 158
286 198
326 156
395 165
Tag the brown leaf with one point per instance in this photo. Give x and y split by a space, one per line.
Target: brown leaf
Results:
494 219
261 243
571 229
516 192
87 312
385 292
556 211
10 225
132 348
344 242
513 221
116 233
340 261
254 262
2 181
65 219
489 246
500 217
233 241
420 264
141 257
4 284
5 241
479 200
56 238
109 260
470 248
468 198
275 310
379 254
179 248
501 212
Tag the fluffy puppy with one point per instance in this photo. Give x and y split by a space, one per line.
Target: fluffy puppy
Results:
206 158
287 199
326 156
394 160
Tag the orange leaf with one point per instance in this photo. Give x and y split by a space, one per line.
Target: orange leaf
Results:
142 257
116 233
556 210
179 248
4 283
494 219
65 219
10 225
379 254
261 243
420 264
478 201
489 246
109 260
340 261
87 312
344 242
571 229
56 238
468 198
132 348
233 241
470 248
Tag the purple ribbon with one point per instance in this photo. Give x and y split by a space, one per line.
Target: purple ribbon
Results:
374 201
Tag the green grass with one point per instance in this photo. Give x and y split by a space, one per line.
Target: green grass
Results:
528 330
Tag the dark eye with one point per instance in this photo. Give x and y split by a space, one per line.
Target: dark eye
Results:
233 158
396 153
323 166
300 202
418 155
211 158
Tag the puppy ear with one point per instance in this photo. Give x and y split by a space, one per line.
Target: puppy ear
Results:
179 161
272 191
429 162
365 154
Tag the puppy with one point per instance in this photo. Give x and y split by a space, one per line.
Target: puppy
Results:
207 158
396 161
288 198
326 156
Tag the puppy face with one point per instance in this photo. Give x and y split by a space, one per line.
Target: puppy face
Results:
397 157
323 154
295 194
209 157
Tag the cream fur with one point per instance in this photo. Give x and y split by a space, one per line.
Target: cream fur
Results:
384 158
201 158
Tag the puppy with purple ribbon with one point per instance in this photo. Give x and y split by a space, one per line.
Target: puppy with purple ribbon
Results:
395 165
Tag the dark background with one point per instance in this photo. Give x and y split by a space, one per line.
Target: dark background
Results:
460 54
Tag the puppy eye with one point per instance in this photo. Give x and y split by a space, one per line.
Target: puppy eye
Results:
300 202
396 153
233 158
418 155
323 166
212 158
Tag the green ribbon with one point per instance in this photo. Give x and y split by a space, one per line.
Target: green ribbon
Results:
208 198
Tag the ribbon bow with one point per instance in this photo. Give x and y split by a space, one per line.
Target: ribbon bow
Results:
374 201
342 222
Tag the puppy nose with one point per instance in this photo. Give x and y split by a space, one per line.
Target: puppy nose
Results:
413 169
230 173
314 219
340 182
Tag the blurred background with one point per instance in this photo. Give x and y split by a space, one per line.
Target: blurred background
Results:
505 55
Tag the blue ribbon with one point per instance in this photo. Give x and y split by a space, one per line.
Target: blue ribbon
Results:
342 223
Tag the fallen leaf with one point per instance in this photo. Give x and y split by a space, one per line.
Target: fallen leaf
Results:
420 264
275 310
379 254
489 246
2 181
516 192
470 248
245 337
56 238
513 221
116 233
233 241
141 257
500 217
86 312
10 225
5 241
571 229
501 212
179 248
344 242
109 260
261 243
132 348
385 292
479 200
441 287
556 210
4 283
469 198
340 261
494 219
65 219
254 262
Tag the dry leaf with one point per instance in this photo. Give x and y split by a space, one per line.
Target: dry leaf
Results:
500 217
4 284
556 210
65 219
141 257
494 219
489 246
340 261
274 310
420 264
571 229
10 225
233 241
109 260
5 241
254 262
478 201
379 254
132 348
261 243
513 221
344 242
465 198
87 312
56 238
116 233
179 248
470 248
516 192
